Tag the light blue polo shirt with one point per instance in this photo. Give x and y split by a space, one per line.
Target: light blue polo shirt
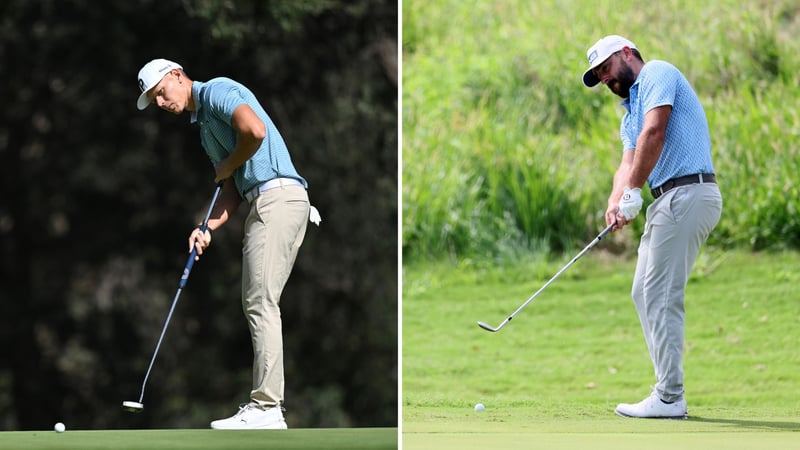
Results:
215 101
687 143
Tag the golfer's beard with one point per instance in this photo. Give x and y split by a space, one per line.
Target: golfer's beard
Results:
623 84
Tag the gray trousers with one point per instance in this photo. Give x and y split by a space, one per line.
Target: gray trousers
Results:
678 223
274 231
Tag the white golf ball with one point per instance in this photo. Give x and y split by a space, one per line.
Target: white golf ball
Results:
479 407
60 428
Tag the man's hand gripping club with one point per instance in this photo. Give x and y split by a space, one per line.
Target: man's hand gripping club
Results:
629 206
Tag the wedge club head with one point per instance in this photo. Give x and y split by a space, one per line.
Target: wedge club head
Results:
487 327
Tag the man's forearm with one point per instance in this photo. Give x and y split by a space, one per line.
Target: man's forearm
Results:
227 203
648 150
649 144
621 177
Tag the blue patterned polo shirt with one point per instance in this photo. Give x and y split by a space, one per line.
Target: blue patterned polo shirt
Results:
687 144
215 101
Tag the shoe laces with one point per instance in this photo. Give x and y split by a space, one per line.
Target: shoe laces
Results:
243 408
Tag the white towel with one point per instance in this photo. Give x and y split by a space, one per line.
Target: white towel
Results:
314 217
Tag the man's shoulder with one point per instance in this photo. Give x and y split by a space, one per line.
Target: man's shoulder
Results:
660 73
222 81
220 84
657 66
218 90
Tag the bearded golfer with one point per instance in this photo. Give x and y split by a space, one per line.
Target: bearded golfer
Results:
666 143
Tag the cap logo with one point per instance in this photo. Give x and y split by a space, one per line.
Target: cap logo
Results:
592 56
141 84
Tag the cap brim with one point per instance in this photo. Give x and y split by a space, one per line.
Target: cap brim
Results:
143 102
589 78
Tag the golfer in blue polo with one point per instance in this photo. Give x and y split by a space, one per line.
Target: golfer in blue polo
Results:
666 143
250 157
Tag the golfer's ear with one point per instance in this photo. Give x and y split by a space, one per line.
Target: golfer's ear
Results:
627 52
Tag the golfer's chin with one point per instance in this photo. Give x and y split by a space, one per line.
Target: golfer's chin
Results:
616 88
176 110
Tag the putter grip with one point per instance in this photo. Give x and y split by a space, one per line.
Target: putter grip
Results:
190 262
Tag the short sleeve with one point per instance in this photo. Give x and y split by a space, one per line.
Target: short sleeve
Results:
223 101
659 87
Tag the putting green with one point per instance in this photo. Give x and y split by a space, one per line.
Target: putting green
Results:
604 441
497 430
294 439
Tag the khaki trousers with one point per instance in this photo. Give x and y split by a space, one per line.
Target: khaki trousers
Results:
678 223
274 231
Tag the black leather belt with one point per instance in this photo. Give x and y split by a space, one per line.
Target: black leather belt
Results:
683 181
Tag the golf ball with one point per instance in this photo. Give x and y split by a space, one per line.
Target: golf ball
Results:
60 428
479 407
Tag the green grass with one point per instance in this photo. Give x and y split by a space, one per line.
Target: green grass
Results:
575 352
505 150
299 439
680 439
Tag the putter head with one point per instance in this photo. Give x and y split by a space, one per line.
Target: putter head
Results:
487 327
132 407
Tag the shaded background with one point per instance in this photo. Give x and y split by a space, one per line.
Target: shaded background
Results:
99 198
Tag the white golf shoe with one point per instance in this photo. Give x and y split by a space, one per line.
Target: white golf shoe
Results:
653 408
252 417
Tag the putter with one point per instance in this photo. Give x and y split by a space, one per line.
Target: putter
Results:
600 236
136 407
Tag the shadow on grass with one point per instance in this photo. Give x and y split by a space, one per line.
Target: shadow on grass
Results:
751 424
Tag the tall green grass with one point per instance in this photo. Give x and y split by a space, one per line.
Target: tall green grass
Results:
505 151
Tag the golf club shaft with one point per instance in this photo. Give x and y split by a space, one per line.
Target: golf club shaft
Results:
530 299
203 227
186 271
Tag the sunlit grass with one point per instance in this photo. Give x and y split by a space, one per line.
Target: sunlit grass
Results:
578 348
504 150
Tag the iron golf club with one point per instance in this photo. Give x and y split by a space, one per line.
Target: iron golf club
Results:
136 407
600 236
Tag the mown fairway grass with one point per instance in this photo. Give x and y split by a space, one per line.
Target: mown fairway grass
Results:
555 373
297 439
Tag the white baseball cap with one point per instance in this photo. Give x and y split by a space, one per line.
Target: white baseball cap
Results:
601 51
150 75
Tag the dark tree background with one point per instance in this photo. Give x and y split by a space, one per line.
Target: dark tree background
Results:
99 198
